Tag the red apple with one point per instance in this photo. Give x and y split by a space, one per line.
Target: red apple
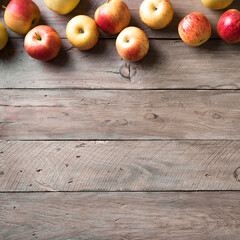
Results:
229 26
132 44
113 16
21 15
42 43
194 29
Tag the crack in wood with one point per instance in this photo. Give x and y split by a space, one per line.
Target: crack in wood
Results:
125 71
26 106
46 187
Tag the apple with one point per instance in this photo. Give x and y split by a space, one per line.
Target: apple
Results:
61 6
229 26
21 15
156 14
3 36
132 44
217 4
42 43
82 32
194 29
113 16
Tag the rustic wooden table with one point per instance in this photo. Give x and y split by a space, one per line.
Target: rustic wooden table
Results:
93 147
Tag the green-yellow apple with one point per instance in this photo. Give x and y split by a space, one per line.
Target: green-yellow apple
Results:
194 29
217 4
3 36
61 6
132 44
113 16
156 14
42 43
229 26
82 32
21 15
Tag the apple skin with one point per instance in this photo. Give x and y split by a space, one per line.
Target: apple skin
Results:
61 6
156 14
3 36
132 44
217 4
42 43
113 16
82 32
194 29
229 26
21 15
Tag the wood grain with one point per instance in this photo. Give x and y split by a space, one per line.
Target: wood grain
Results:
120 216
168 65
88 114
88 7
119 166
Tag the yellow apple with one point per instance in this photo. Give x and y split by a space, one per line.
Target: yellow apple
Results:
61 6
82 32
156 14
217 4
3 36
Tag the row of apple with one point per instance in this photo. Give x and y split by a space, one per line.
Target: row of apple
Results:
43 42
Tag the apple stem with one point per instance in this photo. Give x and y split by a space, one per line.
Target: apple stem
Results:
38 37
4 7
108 1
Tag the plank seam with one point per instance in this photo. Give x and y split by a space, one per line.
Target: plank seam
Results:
133 191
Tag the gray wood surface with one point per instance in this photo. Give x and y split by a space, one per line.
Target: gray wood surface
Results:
169 64
87 114
120 216
156 103
88 7
119 166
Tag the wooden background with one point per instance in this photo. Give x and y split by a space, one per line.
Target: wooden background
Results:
93 147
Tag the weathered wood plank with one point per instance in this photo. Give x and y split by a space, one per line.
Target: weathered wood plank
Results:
118 216
88 7
168 65
94 114
119 166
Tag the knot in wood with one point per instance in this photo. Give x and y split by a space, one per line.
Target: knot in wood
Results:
236 174
151 116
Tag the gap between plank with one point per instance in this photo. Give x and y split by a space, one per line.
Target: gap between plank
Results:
134 191
125 89
114 140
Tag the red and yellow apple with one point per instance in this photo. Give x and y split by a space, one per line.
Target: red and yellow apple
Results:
42 43
156 14
194 29
113 16
217 4
21 15
61 6
229 26
82 32
132 44
3 36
